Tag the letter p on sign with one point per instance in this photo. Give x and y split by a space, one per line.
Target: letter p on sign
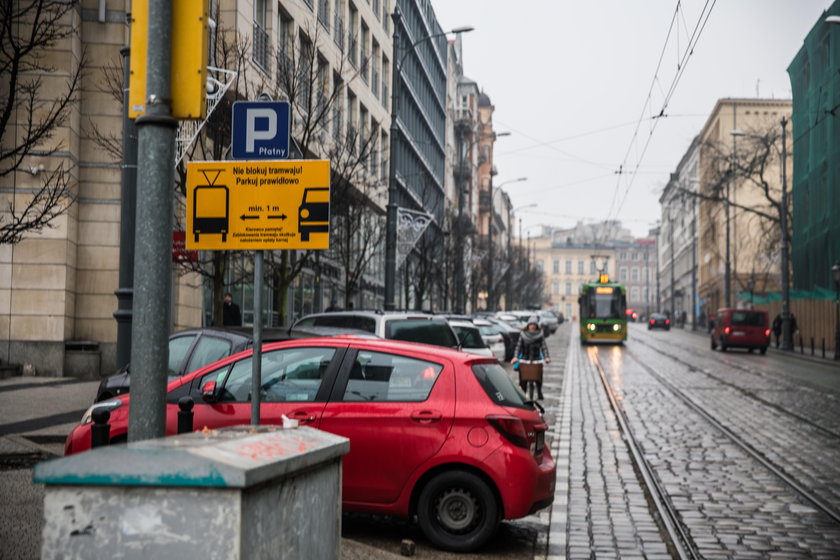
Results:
253 131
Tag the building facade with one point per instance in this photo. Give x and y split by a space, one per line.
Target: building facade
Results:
677 242
737 245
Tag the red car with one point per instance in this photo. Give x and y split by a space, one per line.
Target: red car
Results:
741 328
436 433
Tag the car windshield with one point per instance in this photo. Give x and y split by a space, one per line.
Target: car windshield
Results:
495 381
421 330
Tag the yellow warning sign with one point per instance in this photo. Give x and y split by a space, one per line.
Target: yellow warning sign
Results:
255 205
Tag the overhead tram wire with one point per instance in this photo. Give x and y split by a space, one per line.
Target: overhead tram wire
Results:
695 37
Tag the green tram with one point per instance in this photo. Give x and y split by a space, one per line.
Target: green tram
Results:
603 311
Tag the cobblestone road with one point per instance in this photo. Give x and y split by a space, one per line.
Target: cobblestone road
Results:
731 505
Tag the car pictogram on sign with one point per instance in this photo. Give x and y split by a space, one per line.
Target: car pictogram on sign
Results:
314 212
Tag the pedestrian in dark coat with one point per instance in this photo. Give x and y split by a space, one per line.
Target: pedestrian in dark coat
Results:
231 316
531 353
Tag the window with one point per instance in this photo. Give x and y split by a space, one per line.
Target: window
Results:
289 374
568 288
380 377
539 265
634 274
556 267
208 350
568 266
580 267
499 388
556 288
178 348
622 274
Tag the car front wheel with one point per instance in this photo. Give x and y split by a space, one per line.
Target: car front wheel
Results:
458 511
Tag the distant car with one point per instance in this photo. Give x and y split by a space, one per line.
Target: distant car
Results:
470 338
509 333
632 315
741 328
408 326
189 350
494 336
548 320
659 321
437 435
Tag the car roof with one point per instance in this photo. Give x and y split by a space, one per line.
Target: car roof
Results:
383 344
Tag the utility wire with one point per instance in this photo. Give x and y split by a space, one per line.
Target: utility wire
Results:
689 50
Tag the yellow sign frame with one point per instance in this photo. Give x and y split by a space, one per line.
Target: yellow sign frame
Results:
258 205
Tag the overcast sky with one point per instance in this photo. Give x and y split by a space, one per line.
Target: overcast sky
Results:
576 84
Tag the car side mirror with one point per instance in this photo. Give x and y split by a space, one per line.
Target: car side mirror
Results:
208 391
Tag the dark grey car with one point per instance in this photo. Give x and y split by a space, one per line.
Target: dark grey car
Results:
189 350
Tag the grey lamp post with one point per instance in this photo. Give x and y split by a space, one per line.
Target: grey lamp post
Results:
751 287
491 291
835 275
391 216
787 333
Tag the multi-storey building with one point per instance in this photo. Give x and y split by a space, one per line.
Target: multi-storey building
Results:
733 241
635 267
332 59
677 242
569 258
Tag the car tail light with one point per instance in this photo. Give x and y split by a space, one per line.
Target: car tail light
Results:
766 332
726 330
667 321
652 321
512 428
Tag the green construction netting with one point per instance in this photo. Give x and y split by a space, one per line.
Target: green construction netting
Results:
817 293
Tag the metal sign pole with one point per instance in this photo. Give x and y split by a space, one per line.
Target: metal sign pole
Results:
256 361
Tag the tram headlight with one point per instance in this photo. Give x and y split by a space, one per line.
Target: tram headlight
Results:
590 327
616 327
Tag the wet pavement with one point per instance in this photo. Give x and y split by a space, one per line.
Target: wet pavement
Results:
730 506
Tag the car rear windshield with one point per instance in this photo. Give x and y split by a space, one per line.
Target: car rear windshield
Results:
748 318
470 337
495 381
421 330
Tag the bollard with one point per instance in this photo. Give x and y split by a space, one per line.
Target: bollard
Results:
185 415
100 432
823 347
812 345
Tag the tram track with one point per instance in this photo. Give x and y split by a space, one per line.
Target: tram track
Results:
747 393
679 542
659 496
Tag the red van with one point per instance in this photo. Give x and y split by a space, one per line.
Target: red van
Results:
741 328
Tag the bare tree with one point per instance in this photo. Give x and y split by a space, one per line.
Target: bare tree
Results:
756 170
30 115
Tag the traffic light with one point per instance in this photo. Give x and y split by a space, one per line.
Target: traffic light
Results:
188 77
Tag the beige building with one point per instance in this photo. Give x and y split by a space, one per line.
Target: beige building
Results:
569 258
57 287
753 249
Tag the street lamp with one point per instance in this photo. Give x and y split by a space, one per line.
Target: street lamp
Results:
835 275
728 265
511 214
391 216
751 287
491 291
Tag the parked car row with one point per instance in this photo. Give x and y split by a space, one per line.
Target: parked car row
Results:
436 434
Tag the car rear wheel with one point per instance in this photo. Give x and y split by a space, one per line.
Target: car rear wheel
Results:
457 511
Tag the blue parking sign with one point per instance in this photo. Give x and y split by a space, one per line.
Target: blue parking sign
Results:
260 130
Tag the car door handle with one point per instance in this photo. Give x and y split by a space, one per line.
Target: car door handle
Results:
302 416
426 416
